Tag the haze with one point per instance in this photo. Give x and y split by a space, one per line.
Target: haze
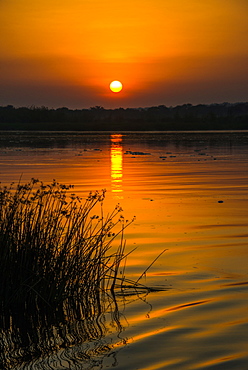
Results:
65 53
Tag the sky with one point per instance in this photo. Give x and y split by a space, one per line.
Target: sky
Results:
65 53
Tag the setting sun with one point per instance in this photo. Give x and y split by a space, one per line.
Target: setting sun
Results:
115 86
163 52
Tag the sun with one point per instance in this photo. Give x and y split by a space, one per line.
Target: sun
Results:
115 86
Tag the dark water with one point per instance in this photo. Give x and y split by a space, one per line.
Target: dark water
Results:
189 193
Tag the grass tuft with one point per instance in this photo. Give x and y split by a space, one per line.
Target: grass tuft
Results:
56 251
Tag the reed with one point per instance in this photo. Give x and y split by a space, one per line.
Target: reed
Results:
60 262
56 251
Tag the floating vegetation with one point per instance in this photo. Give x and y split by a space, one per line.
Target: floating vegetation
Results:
136 153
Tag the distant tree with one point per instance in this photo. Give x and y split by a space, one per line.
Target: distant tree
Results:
97 108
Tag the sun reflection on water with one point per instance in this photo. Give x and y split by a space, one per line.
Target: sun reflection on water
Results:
116 165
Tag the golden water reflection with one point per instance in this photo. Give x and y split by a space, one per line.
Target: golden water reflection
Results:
116 165
176 203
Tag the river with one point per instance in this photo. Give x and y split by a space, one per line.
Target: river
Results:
188 192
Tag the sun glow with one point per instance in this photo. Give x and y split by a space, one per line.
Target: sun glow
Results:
115 86
158 61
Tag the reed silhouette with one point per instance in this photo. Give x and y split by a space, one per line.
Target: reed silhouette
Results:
60 261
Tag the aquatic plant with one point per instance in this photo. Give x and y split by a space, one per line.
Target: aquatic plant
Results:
55 251
60 259
59 264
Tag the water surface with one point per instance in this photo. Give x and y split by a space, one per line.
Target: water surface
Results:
189 193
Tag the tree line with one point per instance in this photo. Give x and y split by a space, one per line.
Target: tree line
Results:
225 116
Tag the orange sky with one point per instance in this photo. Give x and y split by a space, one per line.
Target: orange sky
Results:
66 52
